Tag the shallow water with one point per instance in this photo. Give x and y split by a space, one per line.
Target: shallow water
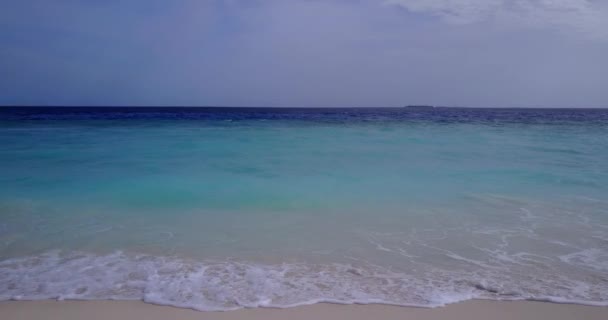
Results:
219 209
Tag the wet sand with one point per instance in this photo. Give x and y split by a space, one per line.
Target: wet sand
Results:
134 310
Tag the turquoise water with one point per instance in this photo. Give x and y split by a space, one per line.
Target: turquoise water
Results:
219 214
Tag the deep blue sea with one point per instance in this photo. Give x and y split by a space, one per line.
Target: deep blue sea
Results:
225 208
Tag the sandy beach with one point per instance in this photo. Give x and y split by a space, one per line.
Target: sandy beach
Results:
93 310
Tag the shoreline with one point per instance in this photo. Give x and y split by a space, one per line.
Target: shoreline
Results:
135 310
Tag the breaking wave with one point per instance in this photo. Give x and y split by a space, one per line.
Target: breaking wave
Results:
229 285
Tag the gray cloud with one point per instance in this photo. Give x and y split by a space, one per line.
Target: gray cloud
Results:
585 16
296 53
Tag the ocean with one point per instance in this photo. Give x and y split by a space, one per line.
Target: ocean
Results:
228 208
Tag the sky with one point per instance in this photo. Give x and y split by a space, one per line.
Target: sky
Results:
305 53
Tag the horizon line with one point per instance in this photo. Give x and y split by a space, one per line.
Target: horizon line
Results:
411 107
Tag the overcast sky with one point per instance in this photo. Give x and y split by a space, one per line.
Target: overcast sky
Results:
305 53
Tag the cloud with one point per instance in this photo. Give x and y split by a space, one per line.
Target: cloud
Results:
310 53
582 16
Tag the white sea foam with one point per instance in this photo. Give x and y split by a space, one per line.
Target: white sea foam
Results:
229 285
590 258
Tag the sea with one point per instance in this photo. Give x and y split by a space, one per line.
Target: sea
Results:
219 209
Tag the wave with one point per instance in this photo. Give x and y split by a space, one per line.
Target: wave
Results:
230 285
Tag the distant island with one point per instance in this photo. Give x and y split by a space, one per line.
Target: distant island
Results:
419 107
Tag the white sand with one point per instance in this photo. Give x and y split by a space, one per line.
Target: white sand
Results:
94 310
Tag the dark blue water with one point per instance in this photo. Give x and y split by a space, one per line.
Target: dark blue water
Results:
438 115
